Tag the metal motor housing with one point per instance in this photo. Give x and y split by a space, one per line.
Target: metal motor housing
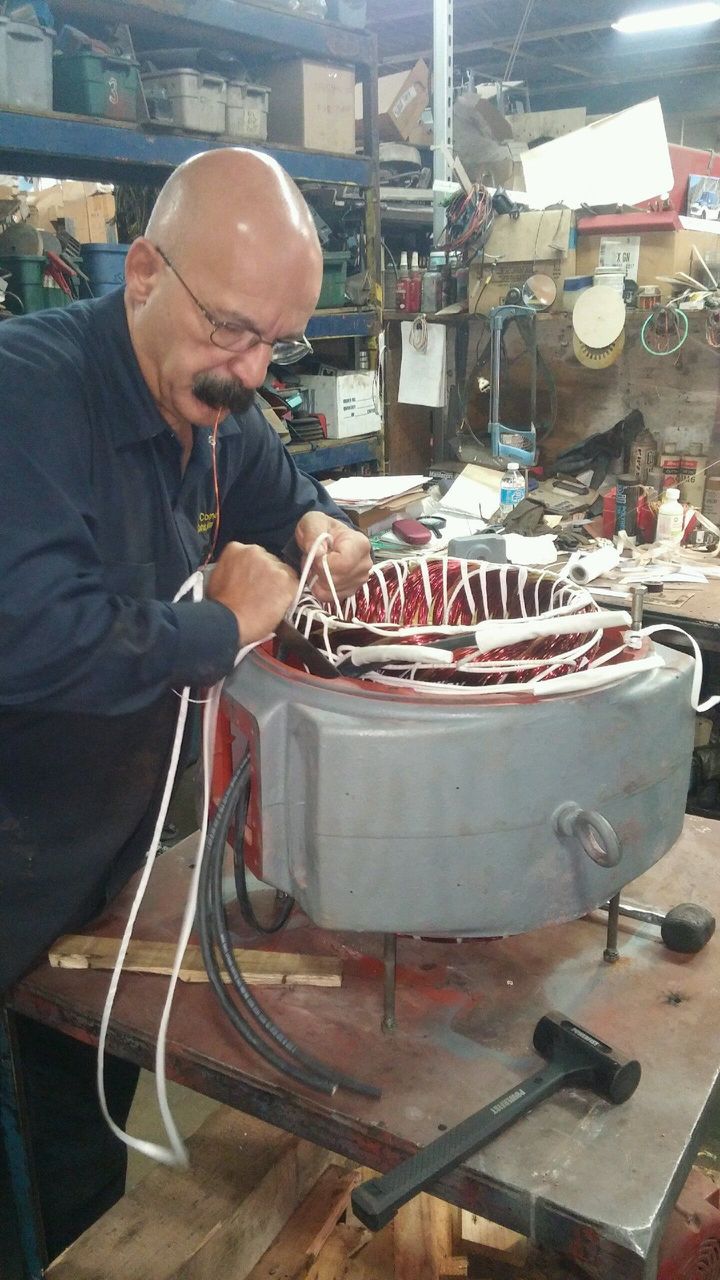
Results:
484 816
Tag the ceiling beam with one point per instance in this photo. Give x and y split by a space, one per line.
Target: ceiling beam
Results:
606 82
499 42
606 61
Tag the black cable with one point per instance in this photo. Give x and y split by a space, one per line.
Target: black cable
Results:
337 1079
207 946
213 921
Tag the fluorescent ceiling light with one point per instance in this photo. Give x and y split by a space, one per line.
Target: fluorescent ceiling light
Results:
683 15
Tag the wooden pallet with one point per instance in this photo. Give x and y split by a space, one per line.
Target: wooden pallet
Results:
259 1204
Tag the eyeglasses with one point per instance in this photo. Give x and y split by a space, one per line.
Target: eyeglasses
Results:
239 338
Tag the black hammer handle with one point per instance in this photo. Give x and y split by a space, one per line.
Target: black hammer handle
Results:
377 1201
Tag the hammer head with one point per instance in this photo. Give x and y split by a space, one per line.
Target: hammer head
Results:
587 1059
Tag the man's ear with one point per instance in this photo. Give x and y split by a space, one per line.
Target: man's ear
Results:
143 265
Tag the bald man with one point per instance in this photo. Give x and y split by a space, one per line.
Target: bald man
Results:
110 413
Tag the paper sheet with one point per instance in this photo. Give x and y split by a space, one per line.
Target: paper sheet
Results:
620 160
531 551
422 373
475 493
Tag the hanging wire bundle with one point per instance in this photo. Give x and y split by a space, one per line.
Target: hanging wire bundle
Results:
464 625
468 222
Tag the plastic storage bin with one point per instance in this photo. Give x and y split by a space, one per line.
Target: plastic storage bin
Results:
332 293
26 52
26 273
92 84
104 266
247 110
197 98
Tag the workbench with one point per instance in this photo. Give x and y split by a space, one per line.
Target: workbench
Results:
591 1181
699 615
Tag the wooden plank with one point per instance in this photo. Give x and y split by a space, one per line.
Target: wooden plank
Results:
244 1182
289 1257
259 968
416 1243
480 1235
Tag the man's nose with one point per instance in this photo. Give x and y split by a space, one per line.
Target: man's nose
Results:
250 367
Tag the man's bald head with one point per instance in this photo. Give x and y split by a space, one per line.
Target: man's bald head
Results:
231 229
233 203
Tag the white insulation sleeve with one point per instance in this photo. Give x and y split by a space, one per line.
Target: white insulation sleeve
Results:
497 635
408 654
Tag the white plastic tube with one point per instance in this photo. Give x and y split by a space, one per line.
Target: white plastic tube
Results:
585 567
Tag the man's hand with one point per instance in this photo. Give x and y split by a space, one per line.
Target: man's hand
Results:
256 586
348 555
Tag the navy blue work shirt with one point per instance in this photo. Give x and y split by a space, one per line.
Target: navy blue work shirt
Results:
100 527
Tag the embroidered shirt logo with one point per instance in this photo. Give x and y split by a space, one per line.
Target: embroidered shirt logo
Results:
206 520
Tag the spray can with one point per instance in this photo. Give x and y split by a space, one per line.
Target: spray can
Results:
711 502
670 459
402 288
642 456
692 476
626 501
414 292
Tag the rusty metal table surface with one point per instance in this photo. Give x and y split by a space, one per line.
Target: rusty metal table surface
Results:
578 1175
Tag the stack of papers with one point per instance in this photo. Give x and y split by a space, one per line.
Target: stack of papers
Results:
475 495
375 501
361 492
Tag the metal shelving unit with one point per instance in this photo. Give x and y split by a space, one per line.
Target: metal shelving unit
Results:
65 146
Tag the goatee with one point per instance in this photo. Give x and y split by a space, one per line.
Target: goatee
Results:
223 393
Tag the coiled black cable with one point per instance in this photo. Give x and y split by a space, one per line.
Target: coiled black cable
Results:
214 932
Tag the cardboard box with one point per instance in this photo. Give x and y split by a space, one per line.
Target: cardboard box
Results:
532 126
312 105
402 98
662 253
87 208
349 402
536 242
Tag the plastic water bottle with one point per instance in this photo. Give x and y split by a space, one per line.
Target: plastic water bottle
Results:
512 489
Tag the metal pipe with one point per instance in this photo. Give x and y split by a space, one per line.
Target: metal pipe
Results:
611 953
637 596
389 984
443 66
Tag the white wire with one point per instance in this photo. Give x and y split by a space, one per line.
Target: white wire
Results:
175 1154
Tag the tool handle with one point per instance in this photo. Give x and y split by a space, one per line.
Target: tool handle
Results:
377 1201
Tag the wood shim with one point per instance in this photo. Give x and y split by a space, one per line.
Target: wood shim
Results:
259 968
299 1245
215 1219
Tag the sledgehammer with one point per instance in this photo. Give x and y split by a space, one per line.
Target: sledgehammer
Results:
575 1057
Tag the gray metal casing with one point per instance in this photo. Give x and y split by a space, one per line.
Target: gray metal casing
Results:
428 816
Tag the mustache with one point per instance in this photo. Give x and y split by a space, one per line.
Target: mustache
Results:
223 393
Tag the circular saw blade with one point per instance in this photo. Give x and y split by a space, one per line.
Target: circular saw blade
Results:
599 316
598 357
